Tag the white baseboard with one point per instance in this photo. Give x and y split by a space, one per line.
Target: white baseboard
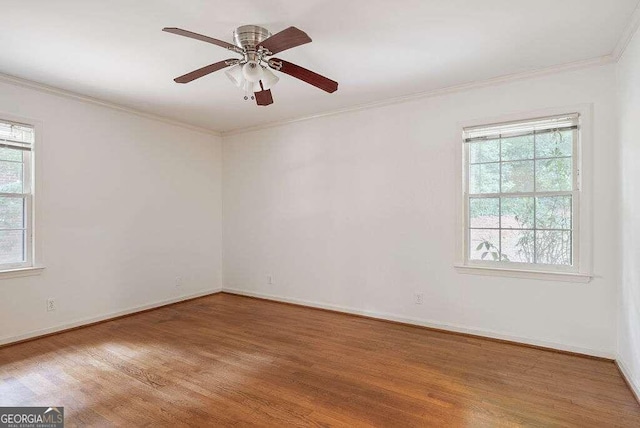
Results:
633 384
348 310
429 323
91 320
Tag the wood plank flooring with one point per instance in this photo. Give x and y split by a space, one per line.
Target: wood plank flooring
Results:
228 360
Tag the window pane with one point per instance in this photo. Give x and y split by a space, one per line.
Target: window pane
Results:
12 246
554 174
517 213
530 180
10 154
553 212
517 176
554 144
484 212
516 148
11 213
517 246
10 177
484 178
484 242
486 151
553 248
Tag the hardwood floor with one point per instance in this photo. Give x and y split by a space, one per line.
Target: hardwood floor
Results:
230 360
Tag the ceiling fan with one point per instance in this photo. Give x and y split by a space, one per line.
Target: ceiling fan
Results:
252 73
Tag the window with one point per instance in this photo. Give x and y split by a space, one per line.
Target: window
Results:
16 144
521 194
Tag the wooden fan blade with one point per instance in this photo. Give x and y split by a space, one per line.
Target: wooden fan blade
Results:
286 39
197 36
305 75
264 98
186 78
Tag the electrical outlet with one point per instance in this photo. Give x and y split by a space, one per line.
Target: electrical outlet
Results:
51 305
270 280
178 281
419 298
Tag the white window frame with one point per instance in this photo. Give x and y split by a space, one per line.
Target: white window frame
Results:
580 271
32 264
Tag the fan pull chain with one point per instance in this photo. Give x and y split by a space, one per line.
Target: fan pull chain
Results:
248 95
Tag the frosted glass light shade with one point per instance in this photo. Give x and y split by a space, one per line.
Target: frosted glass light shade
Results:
252 71
251 86
235 75
269 79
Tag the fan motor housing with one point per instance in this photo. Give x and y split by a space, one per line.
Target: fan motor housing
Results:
250 36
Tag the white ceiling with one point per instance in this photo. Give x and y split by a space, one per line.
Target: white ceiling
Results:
115 50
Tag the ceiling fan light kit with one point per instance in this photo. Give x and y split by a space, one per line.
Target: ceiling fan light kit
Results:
235 75
252 73
268 79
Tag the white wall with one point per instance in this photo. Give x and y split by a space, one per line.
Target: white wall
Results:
125 205
358 210
629 321
353 211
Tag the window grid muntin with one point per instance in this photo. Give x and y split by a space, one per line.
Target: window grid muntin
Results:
520 160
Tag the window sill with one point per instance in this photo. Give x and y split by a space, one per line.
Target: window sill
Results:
20 272
526 274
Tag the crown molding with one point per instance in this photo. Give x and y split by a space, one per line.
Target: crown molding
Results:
614 57
577 65
18 81
627 34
